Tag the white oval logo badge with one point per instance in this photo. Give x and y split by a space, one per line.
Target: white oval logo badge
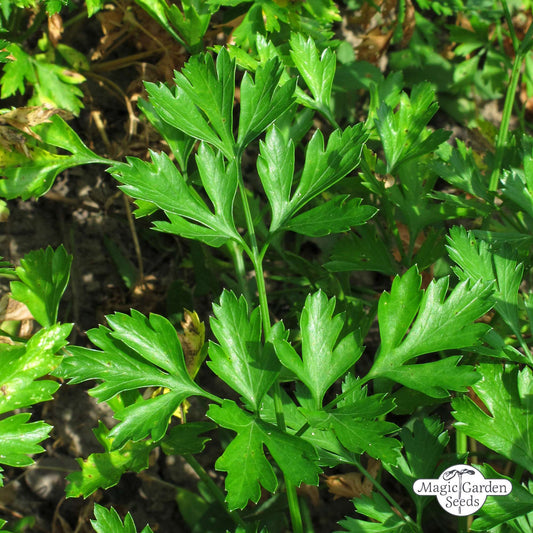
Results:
461 490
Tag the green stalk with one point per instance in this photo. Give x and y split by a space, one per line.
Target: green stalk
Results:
521 50
257 260
501 141
407 519
213 488
238 261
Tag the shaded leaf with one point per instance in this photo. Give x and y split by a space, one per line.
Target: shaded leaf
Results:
244 458
506 393
104 470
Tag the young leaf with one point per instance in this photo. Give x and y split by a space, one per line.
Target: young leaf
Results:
507 429
44 276
441 324
162 184
403 133
104 470
325 167
240 358
263 100
137 352
211 91
108 521
317 72
324 358
275 166
244 458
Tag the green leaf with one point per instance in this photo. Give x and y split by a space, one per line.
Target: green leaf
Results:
158 10
20 388
211 91
240 359
403 133
33 175
19 439
93 6
441 323
192 23
263 100
244 458
335 216
383 518
325 358
325 167
178 110
362 249
108 521
137 352
22 365
162 184
275 166
507 429
57 86
502 509
43 276
180 143
317 72
104 470
459 168
184 438
423 446
16 72
53 84
477 260
355 426
397 310
437 378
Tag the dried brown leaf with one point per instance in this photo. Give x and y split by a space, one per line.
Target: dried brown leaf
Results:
55 28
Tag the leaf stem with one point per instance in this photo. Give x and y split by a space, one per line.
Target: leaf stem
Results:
238 261
501 141
213 488
257 260
521 50
407 519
